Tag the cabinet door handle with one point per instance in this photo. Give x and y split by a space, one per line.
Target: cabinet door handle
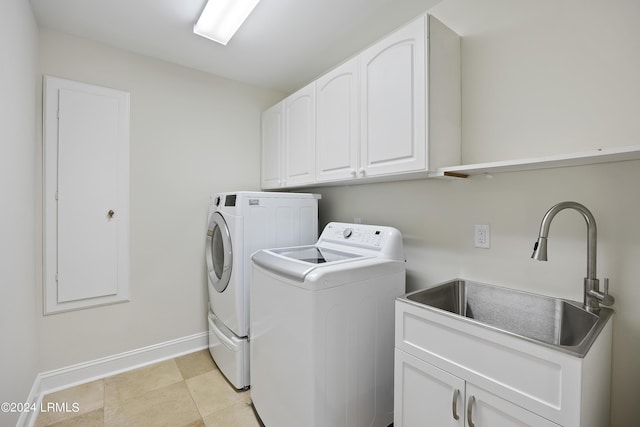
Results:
470 403
111 213
454 404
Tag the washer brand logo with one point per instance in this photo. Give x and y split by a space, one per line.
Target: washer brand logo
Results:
254 202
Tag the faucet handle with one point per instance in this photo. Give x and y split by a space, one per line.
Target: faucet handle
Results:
602 297
607 299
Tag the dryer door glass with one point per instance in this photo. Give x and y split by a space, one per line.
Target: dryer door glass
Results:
219 253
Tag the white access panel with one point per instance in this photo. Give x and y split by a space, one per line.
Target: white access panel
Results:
87 192
86 195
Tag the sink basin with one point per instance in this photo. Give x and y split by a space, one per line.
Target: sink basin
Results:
554 322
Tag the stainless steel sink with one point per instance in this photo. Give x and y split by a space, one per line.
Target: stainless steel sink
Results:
554 322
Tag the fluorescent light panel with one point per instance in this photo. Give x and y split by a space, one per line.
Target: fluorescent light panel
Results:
221 19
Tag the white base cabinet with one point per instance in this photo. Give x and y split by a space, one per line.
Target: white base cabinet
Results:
450 371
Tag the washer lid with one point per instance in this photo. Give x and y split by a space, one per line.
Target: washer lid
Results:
297 262
314 254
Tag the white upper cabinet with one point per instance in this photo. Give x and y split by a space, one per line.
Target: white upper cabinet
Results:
391 112
338 122
393 102
300 137
272 126
288 141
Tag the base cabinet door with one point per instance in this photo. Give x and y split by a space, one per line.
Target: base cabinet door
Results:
425 395
483 409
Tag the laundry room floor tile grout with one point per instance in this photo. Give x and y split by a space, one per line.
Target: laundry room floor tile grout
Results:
186 391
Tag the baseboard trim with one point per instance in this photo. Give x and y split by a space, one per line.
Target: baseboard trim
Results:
59 379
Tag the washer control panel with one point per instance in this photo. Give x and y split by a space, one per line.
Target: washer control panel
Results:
366 235
372 240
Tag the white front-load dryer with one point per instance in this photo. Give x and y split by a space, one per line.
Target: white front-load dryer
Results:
240 223
224 268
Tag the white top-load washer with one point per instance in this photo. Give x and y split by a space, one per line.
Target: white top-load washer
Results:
322 323
240 223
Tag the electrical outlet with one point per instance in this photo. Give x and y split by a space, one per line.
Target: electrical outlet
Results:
482 236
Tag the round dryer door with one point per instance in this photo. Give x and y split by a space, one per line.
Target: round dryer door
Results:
219 253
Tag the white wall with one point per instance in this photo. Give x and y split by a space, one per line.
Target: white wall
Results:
18 328
192 134
539 77
546 76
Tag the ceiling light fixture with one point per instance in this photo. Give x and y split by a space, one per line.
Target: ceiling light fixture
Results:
220 19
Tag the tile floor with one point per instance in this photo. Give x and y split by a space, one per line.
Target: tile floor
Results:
185 391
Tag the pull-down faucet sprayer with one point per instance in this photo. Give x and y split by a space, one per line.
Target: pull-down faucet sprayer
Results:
592 295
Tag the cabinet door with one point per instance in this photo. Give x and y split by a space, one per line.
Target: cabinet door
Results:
484 409
393 96
272 147
300 137
425 395
337 125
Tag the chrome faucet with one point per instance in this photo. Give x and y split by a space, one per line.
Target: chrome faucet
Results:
592 295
